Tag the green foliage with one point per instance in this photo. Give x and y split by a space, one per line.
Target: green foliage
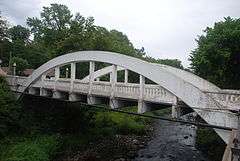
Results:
9 110
217 57
4 43
21 64
120 123
210 143
19 33
39 148
171 62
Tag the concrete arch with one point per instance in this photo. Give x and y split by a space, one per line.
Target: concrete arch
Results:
195 80
192 95
191 78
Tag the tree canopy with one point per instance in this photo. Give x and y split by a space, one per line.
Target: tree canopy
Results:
217 57
57 31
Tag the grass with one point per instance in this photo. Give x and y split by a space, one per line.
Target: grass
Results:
24 148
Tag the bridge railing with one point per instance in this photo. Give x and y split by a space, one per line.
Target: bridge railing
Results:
129 90
15 80
101 88
157 93
229 98
49 83
63 85
80 87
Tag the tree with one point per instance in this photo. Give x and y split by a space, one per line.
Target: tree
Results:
59 32
19 41
53 25
3 28
21 64
171 62
217 57
4 42
19 33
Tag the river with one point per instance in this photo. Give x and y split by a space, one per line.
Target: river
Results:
171 142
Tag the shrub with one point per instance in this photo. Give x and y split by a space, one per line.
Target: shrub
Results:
119 123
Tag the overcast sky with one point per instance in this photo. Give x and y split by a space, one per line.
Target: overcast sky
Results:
165 28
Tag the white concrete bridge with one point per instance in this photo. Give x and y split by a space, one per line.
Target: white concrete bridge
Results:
171 86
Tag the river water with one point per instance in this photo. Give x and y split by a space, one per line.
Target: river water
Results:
171 142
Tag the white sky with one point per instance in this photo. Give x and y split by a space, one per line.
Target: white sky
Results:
165 28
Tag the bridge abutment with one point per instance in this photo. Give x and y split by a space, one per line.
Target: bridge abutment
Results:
115 103
77 97
46 93
60 95
143 107
73 97
93 100
176 109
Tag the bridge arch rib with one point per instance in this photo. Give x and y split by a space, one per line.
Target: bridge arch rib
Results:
198 82
163 75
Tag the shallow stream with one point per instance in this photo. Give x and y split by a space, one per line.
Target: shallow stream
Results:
171 142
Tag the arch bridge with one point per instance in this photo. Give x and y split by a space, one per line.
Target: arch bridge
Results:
171 86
